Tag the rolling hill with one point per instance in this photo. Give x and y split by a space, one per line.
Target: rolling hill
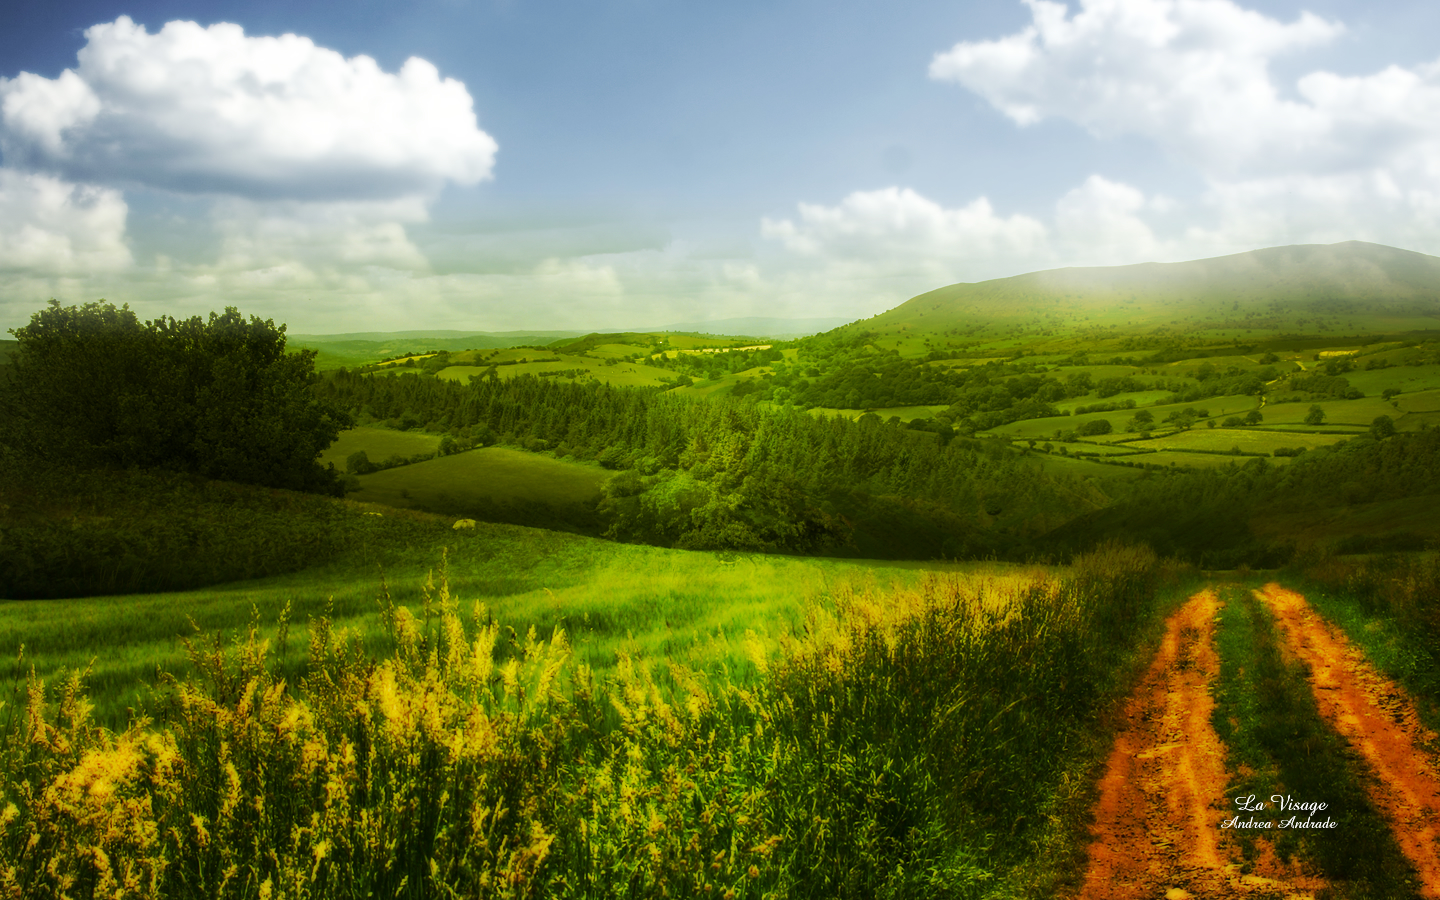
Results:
1351 287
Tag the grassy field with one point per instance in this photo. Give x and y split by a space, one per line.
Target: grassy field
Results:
647 602
379 444
477 480
1221 440
1045 428
625 374
656 778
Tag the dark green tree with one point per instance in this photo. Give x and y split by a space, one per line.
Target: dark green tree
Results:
1315 416
92 386
1382 427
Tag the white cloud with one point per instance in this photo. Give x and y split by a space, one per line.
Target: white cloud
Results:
51 226
897 227
1099 223
1329 157
1192 75
879 248
210 110
278 233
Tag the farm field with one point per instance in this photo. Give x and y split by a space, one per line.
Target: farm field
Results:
1357 414
626 374
476 481
1409 379
1046 427
379 444
1197 460
1220 440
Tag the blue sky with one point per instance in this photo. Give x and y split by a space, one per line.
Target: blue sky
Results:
503 164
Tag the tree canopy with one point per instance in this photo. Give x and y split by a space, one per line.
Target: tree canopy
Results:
91 385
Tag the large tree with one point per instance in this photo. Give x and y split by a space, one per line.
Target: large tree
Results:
93 386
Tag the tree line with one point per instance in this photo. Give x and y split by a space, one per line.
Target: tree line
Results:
730 474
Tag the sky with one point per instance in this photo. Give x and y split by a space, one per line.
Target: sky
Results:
496 165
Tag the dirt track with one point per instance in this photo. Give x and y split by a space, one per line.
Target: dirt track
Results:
1376 717
1157 824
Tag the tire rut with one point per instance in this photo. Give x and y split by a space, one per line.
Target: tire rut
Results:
1156 830
1379 720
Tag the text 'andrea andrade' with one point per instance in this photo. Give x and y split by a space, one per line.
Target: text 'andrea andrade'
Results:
1285 804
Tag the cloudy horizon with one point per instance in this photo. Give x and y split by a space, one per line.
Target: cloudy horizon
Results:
487 166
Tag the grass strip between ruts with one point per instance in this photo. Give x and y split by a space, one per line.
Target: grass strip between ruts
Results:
1266 715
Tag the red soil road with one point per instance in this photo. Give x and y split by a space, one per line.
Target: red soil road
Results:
1157 824
1379 721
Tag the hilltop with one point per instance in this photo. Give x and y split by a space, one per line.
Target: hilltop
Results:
1347 288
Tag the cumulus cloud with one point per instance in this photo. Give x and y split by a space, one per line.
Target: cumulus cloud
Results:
900 227
51 226
1101 223
913 243
212 110
1328 157
278 233
1190 74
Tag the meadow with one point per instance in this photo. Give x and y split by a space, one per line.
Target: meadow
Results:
834 761
486 481
650 603
378 444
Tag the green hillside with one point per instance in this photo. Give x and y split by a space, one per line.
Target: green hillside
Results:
1349 288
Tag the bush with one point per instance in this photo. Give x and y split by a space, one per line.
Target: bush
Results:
1094 427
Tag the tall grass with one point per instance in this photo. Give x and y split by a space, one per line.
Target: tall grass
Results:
903 744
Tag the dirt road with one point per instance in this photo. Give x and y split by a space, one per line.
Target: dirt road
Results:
1379 721
1157 824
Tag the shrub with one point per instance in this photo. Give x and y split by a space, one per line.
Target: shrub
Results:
1094 427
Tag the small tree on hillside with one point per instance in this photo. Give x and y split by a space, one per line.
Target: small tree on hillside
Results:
1383 427
1316 416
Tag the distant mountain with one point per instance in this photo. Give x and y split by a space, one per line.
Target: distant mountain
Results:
1302 289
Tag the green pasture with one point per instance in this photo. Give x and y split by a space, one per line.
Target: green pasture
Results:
473 481
1103 449
1249 440
1409 379
1143 400
693 607
1353 414
1088 469
1046 428
1181 459
379 444
623 374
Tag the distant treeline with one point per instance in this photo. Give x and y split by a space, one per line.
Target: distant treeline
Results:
732 475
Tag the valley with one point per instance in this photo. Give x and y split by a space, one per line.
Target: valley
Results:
1010 591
